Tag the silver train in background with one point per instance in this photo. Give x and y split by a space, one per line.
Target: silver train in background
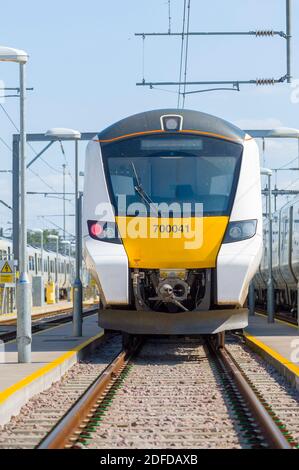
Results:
65 268
285 249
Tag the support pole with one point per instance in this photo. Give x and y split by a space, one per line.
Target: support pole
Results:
289 39
64 167
270 289
24 300
16 197
56 273
77 297
42 252
251 299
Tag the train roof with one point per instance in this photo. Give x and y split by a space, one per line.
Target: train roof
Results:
150 121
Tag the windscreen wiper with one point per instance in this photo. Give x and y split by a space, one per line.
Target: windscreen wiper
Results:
142 193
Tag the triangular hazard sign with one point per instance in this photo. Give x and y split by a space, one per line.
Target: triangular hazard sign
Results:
6 268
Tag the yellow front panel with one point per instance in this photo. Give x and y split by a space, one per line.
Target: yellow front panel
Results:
153 243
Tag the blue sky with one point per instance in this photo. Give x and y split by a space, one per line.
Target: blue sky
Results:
85 62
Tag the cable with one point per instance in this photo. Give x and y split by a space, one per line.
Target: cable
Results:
182 54
28 143
186 53
9 118
286 164
6 145
66 162
169 16
54 225
41 179
291 184
162 89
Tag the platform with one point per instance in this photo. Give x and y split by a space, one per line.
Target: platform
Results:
54 351
36 311
278 343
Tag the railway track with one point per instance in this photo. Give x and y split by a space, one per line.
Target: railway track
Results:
43 411
172 393
42 322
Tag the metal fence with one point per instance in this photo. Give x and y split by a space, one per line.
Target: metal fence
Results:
7 299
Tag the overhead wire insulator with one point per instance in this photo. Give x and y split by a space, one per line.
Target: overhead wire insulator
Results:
264 33
265 81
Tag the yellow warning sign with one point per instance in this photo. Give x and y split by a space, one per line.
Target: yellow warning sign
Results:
7 272
6 269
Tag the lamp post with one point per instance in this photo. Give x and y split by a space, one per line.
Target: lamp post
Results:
270 288
55 237
24 338
70 134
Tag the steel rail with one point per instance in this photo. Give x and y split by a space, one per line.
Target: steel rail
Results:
58 317
61 434
270 430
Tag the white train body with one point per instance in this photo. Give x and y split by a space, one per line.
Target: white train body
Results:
65 271
152 275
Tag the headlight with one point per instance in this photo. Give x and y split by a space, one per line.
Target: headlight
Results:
104 231
237 231
172 122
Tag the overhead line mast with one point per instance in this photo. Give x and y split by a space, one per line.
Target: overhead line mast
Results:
235 84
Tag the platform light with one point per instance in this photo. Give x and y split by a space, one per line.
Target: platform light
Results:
62 133
24 292
10 54
283 132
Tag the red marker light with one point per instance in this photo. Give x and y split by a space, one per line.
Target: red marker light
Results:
96 229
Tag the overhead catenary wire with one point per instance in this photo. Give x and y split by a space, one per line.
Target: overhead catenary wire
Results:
186 52
6 144
182 54
41 179
66 161
35 152
28 143
169 16
54 225
37 175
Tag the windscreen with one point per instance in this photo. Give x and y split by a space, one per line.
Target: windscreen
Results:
167 169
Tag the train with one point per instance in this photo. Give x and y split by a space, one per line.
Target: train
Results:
172 223
285 260
65 271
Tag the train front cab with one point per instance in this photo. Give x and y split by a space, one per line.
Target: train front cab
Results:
154 284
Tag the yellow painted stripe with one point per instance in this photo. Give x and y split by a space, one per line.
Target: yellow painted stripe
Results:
288 364
45 369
